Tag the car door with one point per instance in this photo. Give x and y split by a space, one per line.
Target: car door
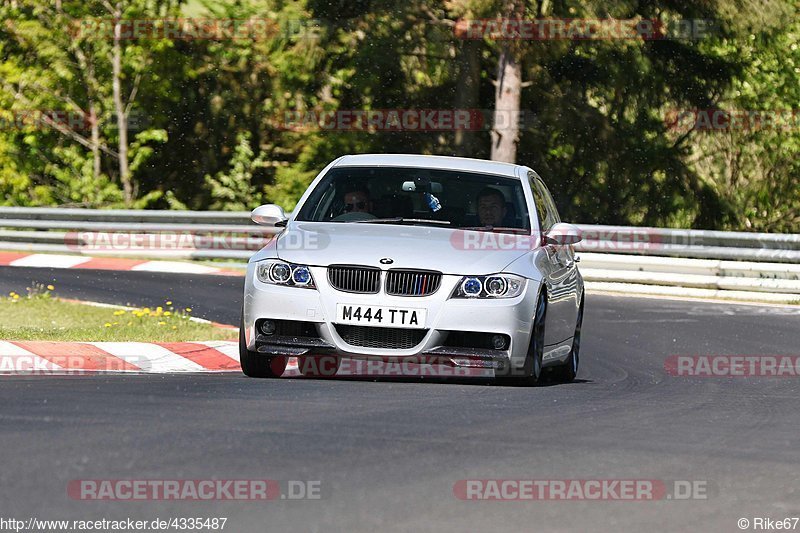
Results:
561 275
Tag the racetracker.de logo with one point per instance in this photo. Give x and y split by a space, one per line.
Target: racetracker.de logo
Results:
63 120
581 29
191 29
192 489
383 367
787 366
592 240
579 489
118 241
730 120
372 120
55 363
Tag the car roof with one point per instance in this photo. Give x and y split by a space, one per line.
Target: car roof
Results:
429 161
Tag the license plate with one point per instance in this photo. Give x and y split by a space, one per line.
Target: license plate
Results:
371 315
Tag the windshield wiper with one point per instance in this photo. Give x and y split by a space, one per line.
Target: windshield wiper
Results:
401 220
495 228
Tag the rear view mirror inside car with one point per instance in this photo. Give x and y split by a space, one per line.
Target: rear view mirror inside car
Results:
422 185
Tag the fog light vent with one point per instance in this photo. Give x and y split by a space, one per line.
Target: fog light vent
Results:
499 342
268 327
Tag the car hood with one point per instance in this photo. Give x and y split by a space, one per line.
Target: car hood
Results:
422 247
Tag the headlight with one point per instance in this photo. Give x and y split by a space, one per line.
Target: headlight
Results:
494 286
471 287
277 272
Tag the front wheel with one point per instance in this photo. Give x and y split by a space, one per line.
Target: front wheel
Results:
569 370
532 368
255 365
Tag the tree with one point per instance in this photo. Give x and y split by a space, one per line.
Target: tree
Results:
70 67
232 190
591 116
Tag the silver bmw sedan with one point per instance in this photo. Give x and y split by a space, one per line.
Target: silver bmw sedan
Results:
445 260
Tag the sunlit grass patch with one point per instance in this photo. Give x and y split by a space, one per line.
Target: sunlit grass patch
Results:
36 315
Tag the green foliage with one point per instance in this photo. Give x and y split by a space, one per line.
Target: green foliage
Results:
233 190
754 167
213 112
290 184
74 183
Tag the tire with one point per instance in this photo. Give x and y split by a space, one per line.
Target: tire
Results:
532 368
321 366
255 365
569 370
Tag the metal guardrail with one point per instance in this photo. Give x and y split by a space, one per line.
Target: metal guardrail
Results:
762 262
76 228
124 215
136 233
22 217
694 237
698 244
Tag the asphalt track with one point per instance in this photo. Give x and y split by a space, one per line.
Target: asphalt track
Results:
387 453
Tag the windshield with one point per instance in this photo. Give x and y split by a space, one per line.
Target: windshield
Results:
418 196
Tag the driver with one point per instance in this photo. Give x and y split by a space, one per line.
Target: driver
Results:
357 205
357 200
491 207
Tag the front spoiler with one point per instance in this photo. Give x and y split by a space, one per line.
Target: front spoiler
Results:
277 346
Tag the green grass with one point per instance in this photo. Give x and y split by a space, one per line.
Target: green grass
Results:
38 316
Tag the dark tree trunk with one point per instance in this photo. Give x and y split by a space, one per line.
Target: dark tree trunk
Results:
468 94
505 131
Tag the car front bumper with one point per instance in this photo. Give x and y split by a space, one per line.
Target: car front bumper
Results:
512 317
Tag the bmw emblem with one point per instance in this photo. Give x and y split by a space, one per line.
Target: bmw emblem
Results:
387 261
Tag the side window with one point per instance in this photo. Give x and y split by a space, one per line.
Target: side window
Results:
551 205
541 209
545 209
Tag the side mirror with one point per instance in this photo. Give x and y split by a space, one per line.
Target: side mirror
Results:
563 234
269 215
